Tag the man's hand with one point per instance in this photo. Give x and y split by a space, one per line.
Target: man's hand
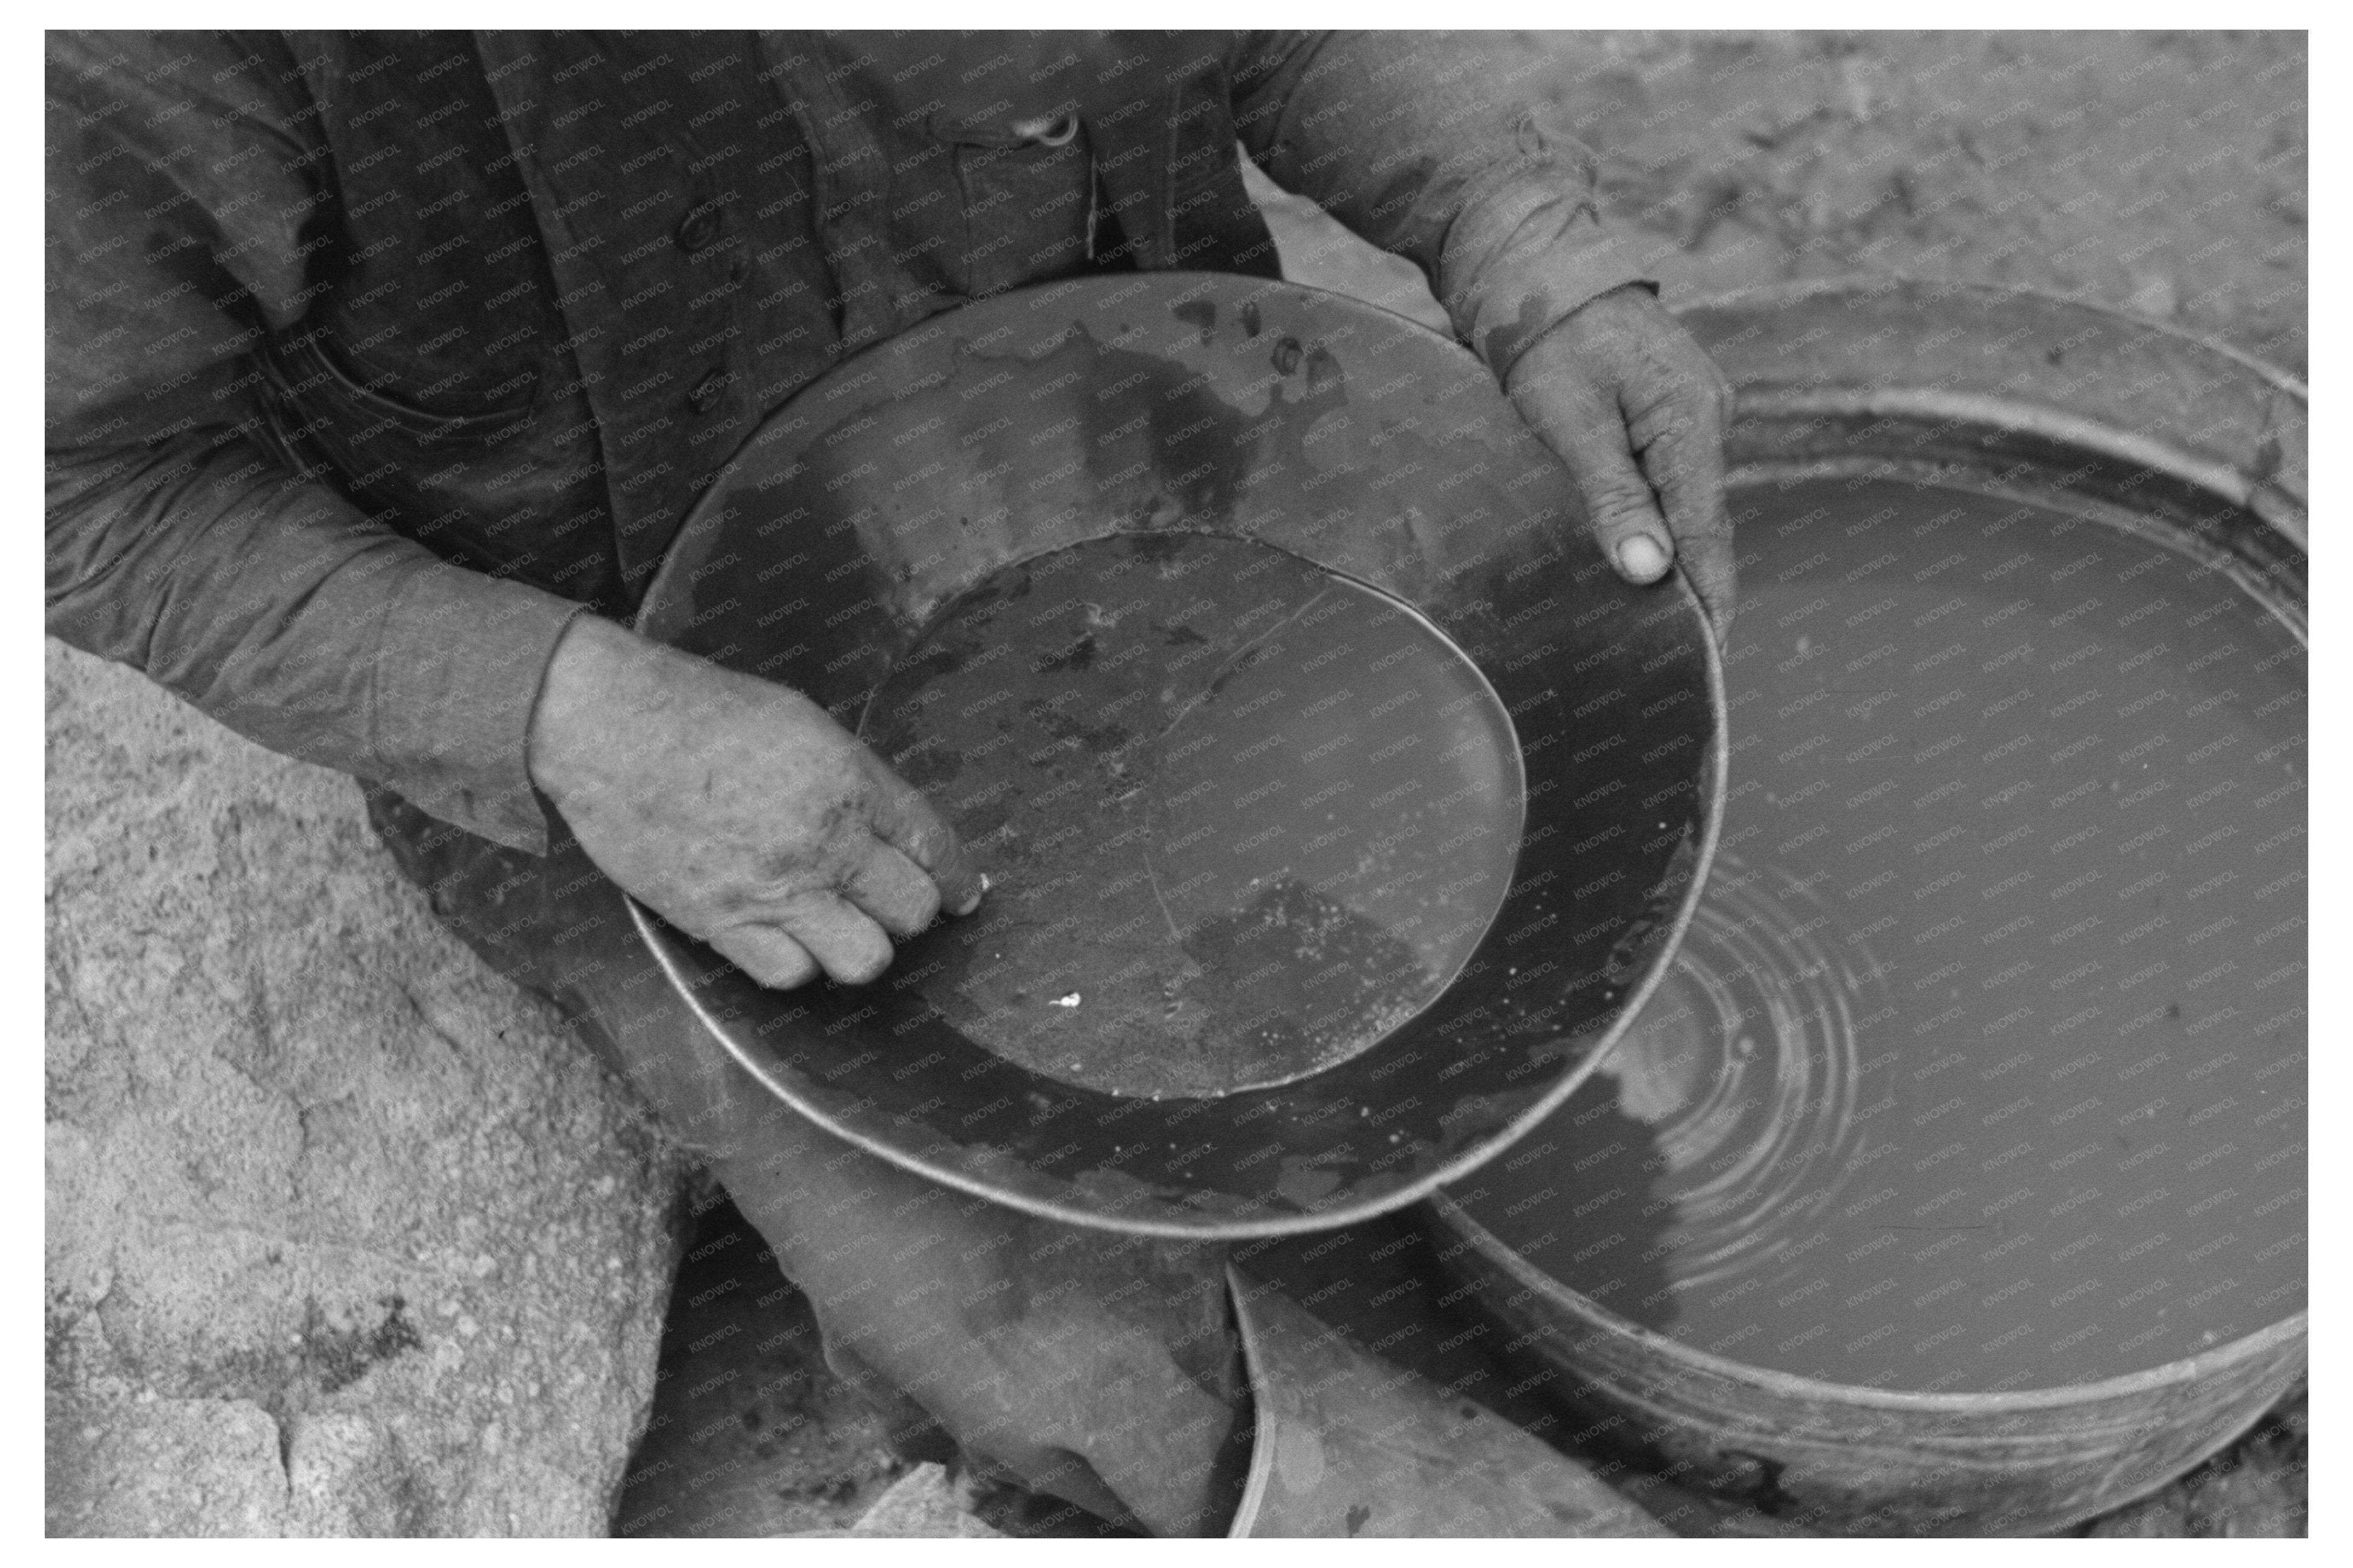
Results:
738 810
1636 410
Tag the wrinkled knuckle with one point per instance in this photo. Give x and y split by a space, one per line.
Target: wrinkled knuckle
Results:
927 839
1618 505
1692 372
800 912
778 871
843 873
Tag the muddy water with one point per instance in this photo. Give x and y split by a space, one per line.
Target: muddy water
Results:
1205 778
1982 1067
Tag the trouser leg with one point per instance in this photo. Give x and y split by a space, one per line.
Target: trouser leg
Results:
1101 1368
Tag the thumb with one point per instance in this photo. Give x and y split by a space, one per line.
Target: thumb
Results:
1588 435
1623 509
910 824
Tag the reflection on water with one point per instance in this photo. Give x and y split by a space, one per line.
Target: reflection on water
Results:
1720 1129
1743 1068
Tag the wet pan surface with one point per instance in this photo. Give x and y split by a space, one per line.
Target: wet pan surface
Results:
1245 816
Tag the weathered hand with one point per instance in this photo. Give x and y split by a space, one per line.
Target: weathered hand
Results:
738 810
1636 409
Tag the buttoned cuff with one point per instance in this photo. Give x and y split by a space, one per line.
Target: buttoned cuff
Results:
1528 248
459 668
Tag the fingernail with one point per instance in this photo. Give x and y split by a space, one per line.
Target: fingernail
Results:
1640 557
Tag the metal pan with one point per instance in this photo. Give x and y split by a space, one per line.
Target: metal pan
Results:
857 547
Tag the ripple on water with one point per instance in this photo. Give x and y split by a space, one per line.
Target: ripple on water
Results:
1743 1067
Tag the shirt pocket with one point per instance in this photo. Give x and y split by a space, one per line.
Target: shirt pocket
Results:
480 488
326 384
1027 187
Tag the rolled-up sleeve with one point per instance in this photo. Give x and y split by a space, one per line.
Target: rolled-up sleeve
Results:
1442 148
184 221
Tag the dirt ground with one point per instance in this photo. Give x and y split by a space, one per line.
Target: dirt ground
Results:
2164 173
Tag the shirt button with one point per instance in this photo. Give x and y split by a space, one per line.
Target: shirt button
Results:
700 227
1059 131
706 394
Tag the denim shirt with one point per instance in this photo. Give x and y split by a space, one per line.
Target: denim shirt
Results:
373 358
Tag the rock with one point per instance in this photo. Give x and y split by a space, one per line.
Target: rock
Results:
345 1235
923 1504
167 1466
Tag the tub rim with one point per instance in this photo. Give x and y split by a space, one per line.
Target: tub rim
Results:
2278 499
2205 1363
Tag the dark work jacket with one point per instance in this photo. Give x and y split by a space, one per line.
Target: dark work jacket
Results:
374 357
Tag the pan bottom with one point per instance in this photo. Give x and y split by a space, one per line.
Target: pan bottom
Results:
1241 817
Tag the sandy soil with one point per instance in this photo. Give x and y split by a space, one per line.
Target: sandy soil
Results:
2162 173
